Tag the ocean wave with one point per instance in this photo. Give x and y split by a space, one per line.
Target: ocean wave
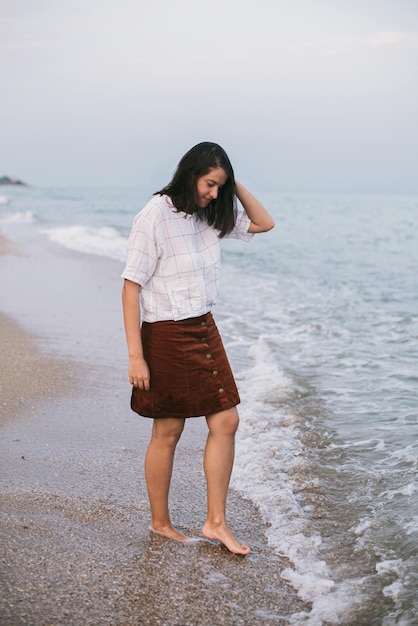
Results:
269 466
105 241
4 200
22 217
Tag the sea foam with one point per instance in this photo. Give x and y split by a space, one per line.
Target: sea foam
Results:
21 217
104 241
269 462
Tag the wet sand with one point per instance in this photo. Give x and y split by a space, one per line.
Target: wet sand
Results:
75 545
27 375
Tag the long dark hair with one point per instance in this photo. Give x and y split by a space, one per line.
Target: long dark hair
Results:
198 161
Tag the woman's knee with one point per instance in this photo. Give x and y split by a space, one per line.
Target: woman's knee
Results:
167 431
223 423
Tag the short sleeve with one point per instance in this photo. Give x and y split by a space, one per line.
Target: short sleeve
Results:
142 251
240 230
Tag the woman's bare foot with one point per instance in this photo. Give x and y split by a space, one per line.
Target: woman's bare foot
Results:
224 535
171 533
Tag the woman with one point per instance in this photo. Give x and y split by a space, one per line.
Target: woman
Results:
177 363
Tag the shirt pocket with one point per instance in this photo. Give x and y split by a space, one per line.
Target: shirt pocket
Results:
187 297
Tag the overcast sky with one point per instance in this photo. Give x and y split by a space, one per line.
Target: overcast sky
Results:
305 95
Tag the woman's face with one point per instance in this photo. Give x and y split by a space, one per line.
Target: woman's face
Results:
208 186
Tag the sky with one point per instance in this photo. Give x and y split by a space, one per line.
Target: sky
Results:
305 95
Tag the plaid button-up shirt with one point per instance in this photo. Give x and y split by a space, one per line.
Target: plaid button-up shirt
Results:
176 258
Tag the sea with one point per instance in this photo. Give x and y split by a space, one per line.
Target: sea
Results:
320 321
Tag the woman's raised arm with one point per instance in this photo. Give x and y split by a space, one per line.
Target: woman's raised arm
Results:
261 220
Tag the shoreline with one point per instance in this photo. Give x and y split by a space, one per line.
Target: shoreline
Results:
76 547
6 246
26 374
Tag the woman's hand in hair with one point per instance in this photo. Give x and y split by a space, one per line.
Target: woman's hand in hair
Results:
261 220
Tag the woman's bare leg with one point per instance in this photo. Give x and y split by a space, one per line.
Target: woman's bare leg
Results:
158 469
218 462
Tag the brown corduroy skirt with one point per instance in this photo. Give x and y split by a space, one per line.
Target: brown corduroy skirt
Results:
190 375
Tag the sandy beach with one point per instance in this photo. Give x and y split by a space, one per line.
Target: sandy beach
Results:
75 545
